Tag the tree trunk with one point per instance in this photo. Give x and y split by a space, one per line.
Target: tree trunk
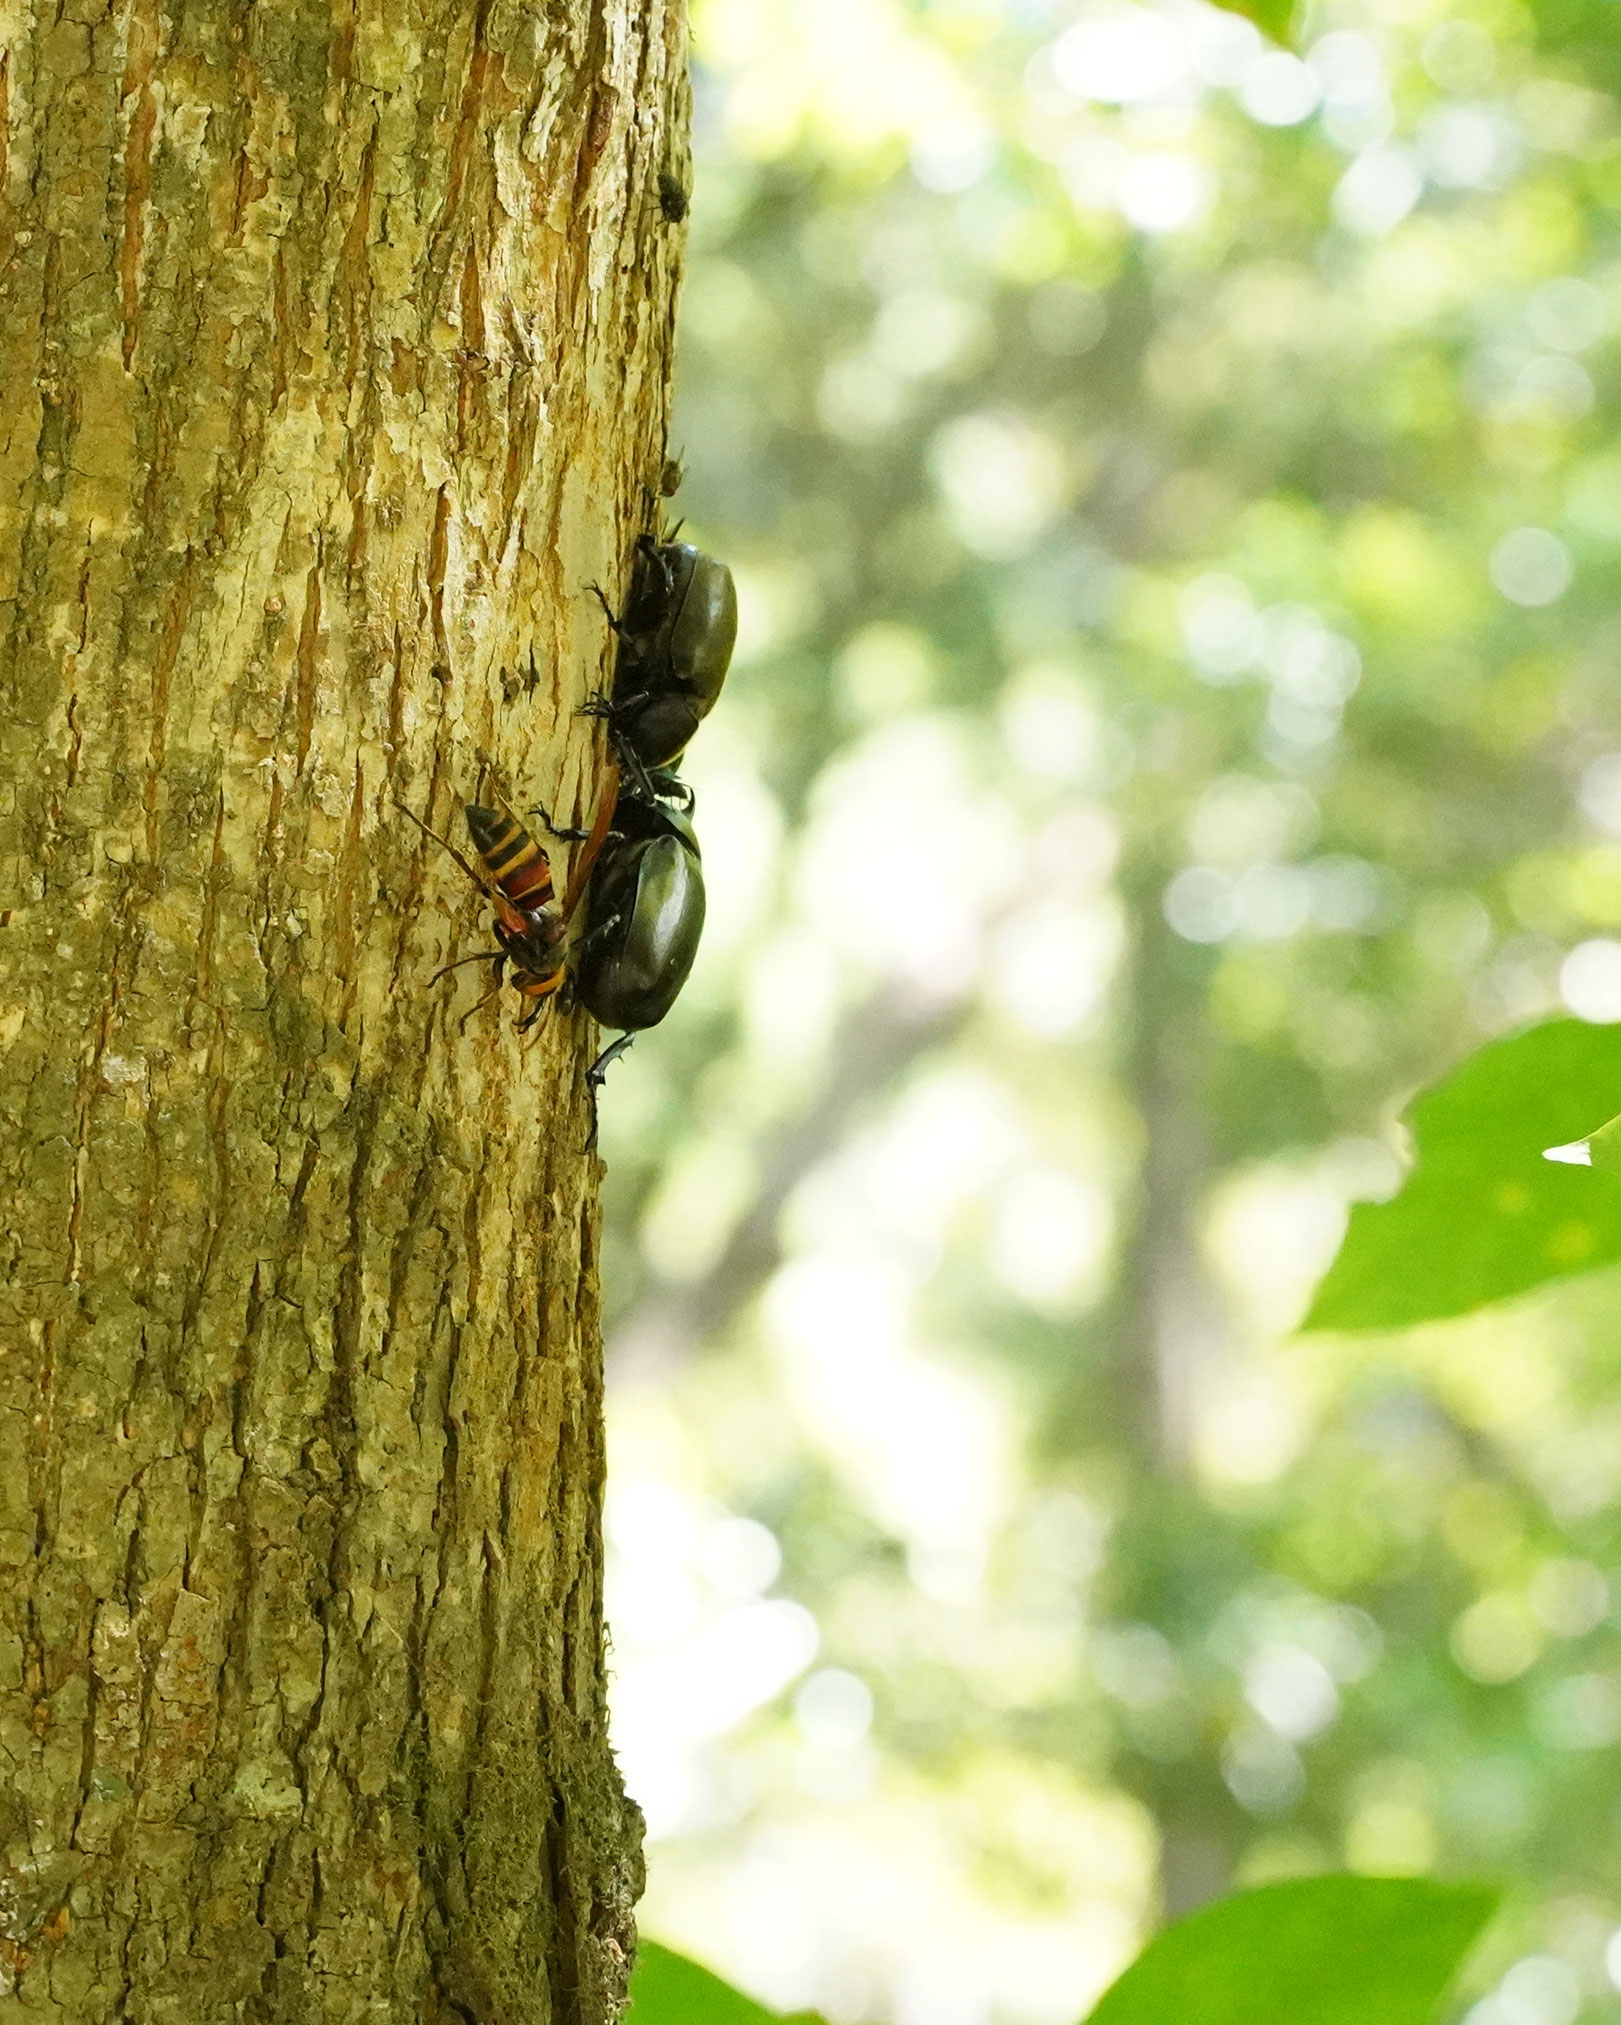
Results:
335 341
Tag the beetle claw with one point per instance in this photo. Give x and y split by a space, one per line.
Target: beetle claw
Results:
597 1075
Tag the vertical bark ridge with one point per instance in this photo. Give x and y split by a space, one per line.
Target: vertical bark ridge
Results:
335 341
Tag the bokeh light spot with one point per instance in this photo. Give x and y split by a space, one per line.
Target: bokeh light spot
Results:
1590 981
1496 1639
1202 904
1530 566
1120 58
1279 90
1378 190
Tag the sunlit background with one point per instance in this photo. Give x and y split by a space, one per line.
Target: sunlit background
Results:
1171 483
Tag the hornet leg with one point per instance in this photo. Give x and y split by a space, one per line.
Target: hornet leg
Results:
493 992
557 830
483 956
529 1019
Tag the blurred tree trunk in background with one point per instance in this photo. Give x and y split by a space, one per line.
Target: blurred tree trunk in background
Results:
1172 1347
1175 1341
335 342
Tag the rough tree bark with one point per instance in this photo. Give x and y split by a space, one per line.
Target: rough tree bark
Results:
334 340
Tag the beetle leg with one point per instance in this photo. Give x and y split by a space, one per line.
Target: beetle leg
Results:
597 1074
611 714
654 547
601 597
602 929
613 711
631 762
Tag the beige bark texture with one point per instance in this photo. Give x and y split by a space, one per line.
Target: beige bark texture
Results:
334 347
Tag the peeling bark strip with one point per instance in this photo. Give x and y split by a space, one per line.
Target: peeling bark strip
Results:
334 338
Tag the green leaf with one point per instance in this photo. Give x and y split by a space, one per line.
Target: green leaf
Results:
1483 1215
1273 17
1312 1951
1580 34
1604 1148
667 1989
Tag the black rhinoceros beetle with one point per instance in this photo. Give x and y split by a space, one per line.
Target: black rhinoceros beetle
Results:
644 915
676 635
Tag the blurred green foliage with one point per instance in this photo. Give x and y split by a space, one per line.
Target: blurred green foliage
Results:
1172 485
1315 1951
667 1989
1276 17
